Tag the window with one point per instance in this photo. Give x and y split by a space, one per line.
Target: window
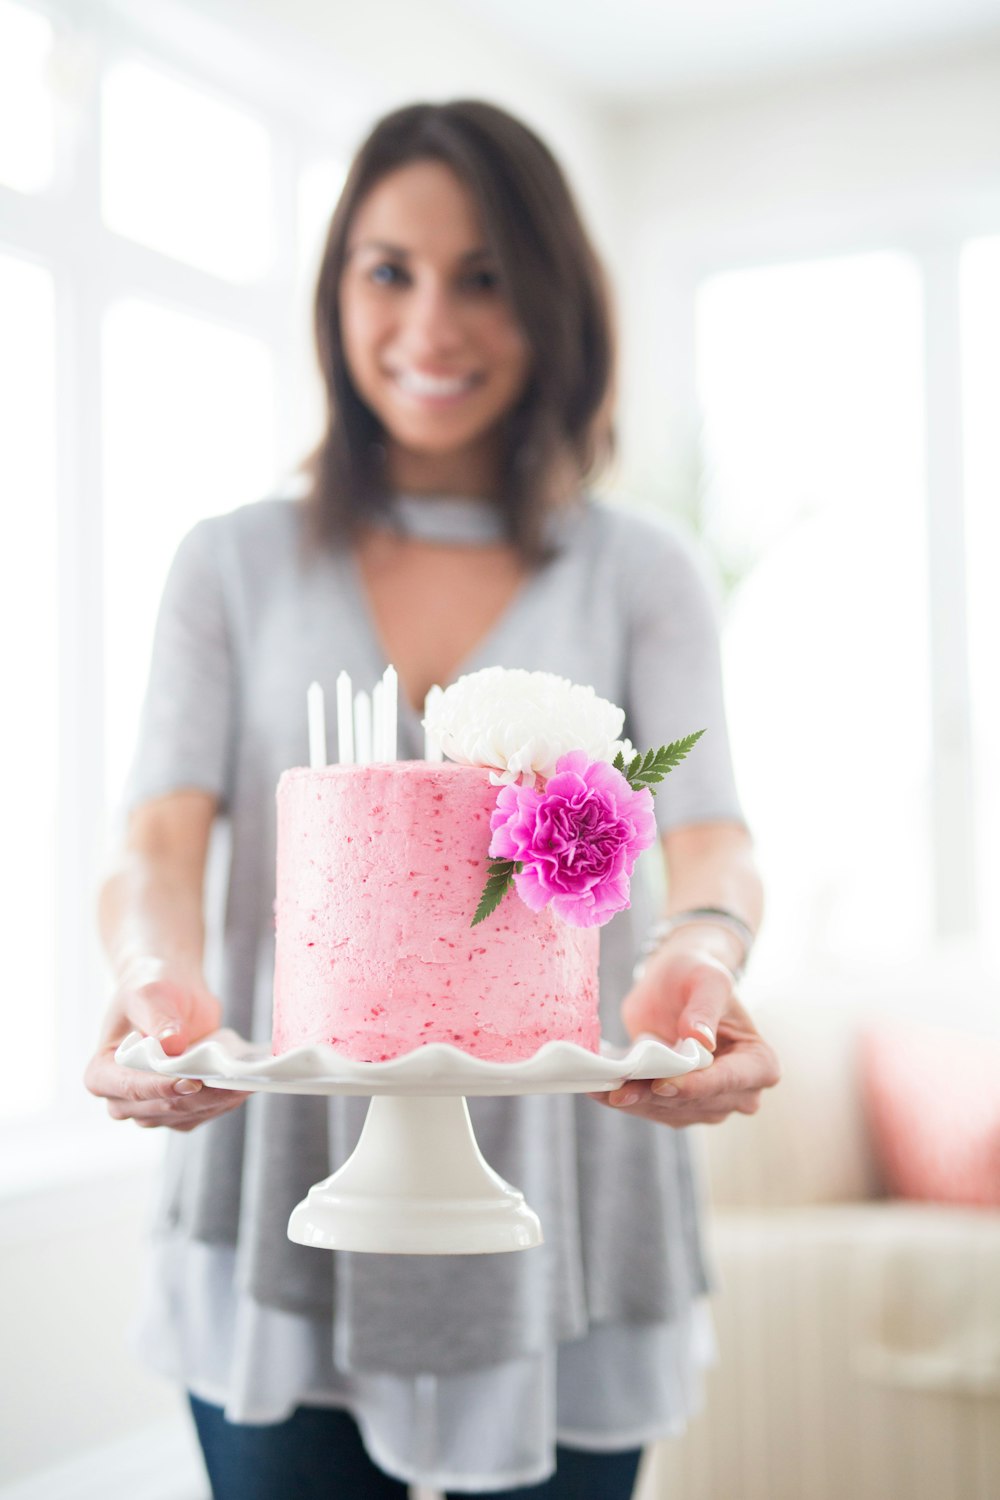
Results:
188 432
145 367
185 173
810 387
319 188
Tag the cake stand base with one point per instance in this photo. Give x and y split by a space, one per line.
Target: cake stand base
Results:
416 1184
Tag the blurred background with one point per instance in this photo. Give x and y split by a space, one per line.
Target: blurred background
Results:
799 204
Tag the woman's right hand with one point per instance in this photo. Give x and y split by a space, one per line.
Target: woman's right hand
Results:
177 1010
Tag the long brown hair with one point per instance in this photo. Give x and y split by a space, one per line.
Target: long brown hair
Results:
558 294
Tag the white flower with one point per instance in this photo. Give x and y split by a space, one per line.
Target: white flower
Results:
519 723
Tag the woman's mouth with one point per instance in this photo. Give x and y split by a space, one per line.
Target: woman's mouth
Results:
434 389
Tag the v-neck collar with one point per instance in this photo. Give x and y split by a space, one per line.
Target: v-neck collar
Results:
467 515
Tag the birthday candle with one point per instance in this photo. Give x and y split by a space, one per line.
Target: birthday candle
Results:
362 729
390 712
378 721
316 710
432 750
345 721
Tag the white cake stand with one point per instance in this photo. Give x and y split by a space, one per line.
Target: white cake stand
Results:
416 1183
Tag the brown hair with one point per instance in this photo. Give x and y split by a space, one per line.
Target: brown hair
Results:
557 291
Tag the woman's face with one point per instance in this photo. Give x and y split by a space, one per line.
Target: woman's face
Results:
429 337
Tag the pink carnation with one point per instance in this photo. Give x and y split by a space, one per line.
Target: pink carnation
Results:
577 839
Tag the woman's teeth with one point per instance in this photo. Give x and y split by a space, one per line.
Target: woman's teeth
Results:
433 385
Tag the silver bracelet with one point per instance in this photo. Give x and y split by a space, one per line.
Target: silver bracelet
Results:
718 915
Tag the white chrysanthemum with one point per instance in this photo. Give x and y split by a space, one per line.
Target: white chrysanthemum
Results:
519 723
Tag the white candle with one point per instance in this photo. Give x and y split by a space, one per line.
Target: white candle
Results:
345 721
316 709
362 729
432 750
390 712
378 721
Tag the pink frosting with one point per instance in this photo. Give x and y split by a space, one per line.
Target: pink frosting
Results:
380 870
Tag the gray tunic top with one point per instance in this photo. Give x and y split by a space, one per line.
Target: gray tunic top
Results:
246 622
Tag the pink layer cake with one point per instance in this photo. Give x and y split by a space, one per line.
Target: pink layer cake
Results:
380 870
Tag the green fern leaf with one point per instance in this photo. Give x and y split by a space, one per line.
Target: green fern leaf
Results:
498 882
646 770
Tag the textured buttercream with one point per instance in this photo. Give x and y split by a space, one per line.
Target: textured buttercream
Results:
380 869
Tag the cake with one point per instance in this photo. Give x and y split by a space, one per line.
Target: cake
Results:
458 900
379 871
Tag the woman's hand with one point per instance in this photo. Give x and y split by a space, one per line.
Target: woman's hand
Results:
686 991
177 1009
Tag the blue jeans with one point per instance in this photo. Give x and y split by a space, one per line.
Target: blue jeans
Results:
317 1454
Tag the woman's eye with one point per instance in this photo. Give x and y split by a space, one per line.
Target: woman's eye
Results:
483 281
386 274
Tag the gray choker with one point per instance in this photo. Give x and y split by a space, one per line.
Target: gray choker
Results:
459 520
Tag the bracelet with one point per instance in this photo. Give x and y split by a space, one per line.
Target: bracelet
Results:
717 915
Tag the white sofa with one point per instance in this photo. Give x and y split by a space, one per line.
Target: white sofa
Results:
859 1337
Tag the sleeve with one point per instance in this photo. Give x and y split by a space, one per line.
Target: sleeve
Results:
187 724
675 678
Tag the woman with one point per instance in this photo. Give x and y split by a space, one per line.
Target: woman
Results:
465 345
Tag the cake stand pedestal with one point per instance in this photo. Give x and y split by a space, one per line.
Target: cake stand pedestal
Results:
416 1183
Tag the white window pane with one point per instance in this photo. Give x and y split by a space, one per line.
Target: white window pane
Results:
320 183
809 378
188 432
980 292
25 99
29 670
184 173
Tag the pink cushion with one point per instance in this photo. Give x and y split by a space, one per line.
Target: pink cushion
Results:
932 1099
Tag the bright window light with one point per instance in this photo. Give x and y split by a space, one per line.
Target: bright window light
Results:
29 662
320 183
25 100
188 432
810 387
185 173
980 294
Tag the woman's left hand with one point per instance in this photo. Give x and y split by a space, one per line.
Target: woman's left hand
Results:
688 992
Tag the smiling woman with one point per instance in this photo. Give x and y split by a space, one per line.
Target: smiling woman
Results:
465 343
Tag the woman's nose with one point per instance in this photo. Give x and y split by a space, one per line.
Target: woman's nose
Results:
431 323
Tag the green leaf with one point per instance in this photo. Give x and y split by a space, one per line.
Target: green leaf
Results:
618 762
498 882
645 770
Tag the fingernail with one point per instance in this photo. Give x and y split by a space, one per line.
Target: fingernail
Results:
187 1086
706 1032
630 1096
664 1089
166 1031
